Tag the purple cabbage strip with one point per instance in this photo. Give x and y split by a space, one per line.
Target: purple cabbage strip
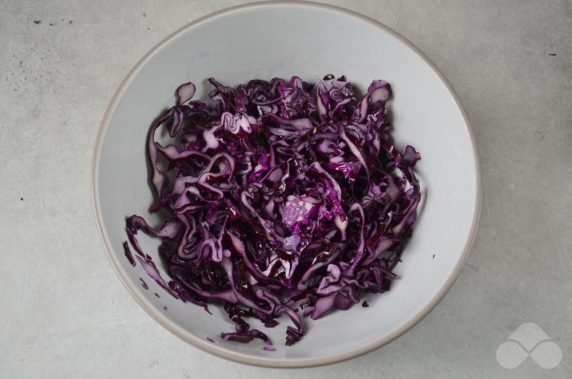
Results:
281 198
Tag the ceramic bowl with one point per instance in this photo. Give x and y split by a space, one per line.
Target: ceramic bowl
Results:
280 39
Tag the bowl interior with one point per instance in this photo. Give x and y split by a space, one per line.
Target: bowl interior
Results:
266 41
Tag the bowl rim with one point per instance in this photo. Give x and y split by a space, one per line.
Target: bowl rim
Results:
233 355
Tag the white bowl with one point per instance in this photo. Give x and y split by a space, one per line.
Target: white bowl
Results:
266 40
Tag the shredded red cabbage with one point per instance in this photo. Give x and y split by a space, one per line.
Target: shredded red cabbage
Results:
281 198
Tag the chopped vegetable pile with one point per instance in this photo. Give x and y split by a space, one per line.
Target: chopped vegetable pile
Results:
280 198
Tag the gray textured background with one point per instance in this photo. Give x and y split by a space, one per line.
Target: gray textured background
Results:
64 314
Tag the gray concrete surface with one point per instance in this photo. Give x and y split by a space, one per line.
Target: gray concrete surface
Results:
64 314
